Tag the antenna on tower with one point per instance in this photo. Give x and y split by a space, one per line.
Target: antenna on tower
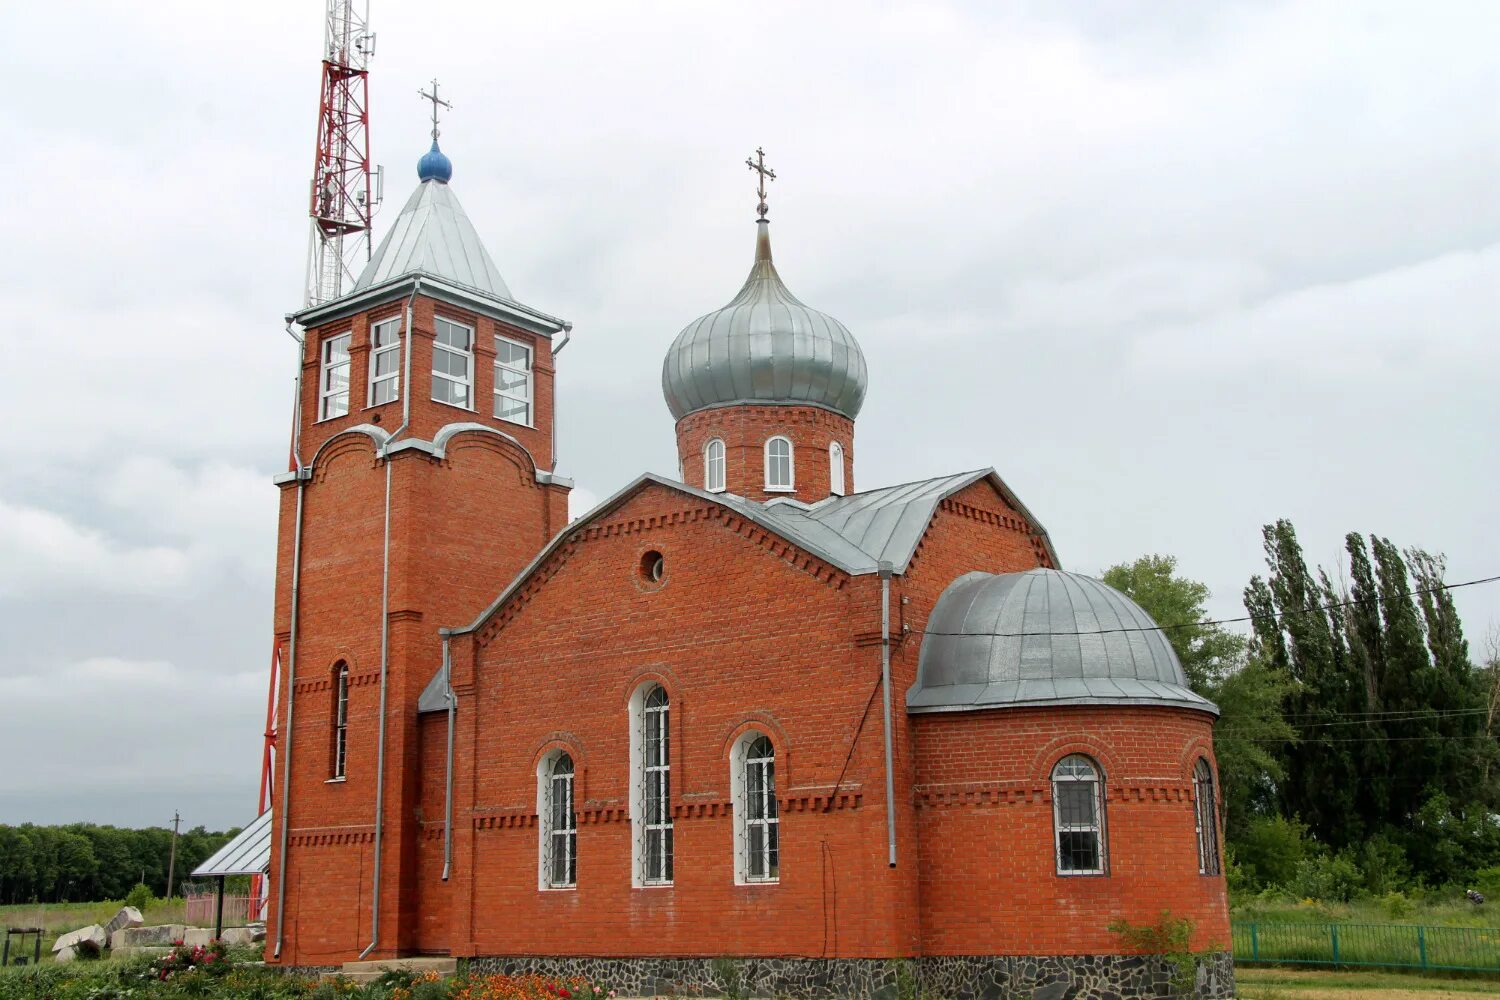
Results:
345 190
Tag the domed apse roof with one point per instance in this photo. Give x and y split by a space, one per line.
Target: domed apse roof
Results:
764 347
1044 637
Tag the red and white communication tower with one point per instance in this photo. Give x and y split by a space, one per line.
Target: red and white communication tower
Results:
345 189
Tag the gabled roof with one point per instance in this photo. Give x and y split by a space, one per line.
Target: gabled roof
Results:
248 853
434 236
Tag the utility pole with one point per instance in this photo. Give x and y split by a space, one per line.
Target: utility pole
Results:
172 856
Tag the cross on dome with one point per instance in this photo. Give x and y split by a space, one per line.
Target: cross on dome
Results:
766 173
434 165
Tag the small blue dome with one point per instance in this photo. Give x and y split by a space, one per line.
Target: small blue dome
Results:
434 165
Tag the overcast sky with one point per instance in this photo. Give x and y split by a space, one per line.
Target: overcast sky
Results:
1175 270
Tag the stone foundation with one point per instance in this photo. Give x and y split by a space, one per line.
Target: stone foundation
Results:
1002 977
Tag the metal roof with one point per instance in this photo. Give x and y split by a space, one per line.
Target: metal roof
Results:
434 236
249 853
1044 637
765 346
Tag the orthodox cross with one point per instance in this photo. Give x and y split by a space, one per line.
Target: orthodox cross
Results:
766 173
433 97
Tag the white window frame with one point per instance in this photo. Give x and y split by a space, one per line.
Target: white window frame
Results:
329 399
790 486
755 807
468 381
530 384
643 705
556 840
1066 771
378 351
341 723
714 460
1206 818
836 468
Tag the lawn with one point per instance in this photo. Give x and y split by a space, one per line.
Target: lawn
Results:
1445 911
59 918
1298 984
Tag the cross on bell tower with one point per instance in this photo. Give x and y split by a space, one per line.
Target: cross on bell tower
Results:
758 164
436 102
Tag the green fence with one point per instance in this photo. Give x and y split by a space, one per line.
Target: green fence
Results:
1470 949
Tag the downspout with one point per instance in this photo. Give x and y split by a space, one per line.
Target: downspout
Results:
448 779
385 622
567 336
291 656
885 697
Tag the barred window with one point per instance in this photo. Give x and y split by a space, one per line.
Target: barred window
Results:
512 381
333 378
1078 816
385 362
757 823
559 822
1206 814
340 719
452 363
653 796
779 464
713 466
836 469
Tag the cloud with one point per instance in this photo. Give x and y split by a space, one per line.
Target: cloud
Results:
42 552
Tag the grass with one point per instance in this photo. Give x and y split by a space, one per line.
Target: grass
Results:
59 918
1300 984
1391 909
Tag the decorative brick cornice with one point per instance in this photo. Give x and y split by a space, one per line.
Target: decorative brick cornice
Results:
332 836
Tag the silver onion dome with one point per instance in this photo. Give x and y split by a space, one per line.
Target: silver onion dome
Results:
1044 637
764 347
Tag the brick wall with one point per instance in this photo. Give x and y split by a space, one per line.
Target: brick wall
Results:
745 430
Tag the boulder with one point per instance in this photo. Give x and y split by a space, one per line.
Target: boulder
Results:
155 936
198 937
85 939
128 916
238 936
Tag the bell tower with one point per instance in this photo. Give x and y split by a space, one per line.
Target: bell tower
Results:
424 482
765 390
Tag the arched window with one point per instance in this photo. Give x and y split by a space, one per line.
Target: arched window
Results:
651 791
836 469
558 821
779 464
1206 813
1078 816
713 466
340 719
757 823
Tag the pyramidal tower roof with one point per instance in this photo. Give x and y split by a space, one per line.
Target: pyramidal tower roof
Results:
433 235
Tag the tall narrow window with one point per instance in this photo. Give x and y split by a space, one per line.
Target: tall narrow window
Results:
713 466
654 795
512 381
340 720
385 362
558 821
757 822
1206 812
453 363
836 469
333 378
1078 816
778 464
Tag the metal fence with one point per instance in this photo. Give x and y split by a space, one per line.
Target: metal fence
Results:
1468 949
238 910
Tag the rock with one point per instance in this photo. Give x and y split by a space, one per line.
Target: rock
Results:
93 933
128 916
237 936
156 936
198 937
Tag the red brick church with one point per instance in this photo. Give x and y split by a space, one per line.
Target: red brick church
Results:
751 712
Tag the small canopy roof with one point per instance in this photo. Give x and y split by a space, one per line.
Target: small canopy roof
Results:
249 853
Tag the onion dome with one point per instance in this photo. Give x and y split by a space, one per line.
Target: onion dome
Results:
435 165
1044 637
764 347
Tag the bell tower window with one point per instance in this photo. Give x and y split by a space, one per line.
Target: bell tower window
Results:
836 469
779 464
333 378
385 362
453 363
512 381
713 466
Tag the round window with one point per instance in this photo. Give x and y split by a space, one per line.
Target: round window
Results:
653 566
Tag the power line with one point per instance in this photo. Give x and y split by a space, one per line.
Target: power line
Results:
1412 717
1221 621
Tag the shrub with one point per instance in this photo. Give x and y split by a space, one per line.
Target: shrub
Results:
1487 881
1397 906
1330 880
140 897
1271 848
1171 938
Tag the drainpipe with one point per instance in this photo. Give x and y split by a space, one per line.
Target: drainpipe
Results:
448 780
385 623
291 656
567 336
885 697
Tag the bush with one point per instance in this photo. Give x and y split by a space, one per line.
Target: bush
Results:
140 897
1330 880
1271 849
1397 906
1487 881
1384 865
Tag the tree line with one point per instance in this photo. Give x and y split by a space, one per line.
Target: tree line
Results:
1357 742
82 862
